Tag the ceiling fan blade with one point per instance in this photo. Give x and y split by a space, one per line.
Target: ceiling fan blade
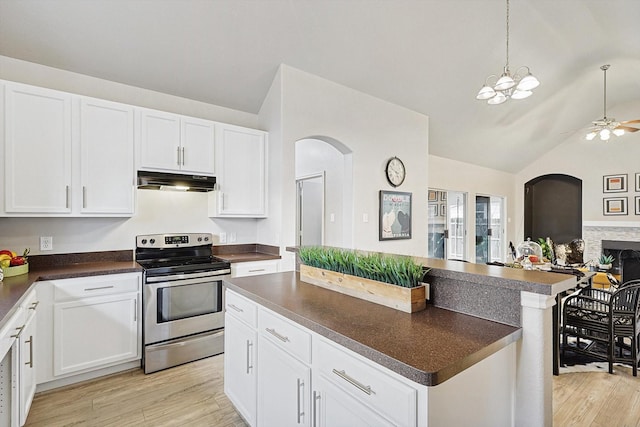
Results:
626 122
627 128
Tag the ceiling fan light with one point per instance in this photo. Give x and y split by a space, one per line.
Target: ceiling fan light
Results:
618 132
521 94
485 93
605 134
504 82
528 82
591 135
498 99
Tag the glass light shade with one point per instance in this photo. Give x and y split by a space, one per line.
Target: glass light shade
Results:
504 82
521 94
485 93
591 135
618 132
528 82
605 134
498 99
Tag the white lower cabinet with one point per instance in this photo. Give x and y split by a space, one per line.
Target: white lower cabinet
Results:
88 323
27 371
240 343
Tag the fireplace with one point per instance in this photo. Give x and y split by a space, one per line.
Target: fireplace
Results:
627 258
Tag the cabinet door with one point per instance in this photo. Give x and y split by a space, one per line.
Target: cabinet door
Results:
332 407
95 332
38 150
159 140
106 162
239 367
27 381
284 388
198 146
241 171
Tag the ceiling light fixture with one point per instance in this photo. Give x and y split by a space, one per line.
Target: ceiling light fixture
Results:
518 86
607 126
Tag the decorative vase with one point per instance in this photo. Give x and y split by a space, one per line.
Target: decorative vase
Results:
604 266
409 300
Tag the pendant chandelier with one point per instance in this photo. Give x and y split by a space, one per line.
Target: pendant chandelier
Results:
516 86
607 126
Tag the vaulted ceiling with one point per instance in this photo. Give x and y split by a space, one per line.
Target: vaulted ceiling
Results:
431 56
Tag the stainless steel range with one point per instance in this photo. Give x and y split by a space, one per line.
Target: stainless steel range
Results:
183 299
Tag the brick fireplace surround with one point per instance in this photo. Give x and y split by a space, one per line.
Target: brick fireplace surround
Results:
615 235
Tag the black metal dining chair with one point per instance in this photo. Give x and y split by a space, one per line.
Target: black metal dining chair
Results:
605 324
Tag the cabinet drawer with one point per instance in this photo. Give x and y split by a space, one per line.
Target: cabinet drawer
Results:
85 287
9 332
29 305
288 336
378 390
254 268
241 308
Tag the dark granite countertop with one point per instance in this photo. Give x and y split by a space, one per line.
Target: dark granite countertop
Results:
13 289
427 347
246 252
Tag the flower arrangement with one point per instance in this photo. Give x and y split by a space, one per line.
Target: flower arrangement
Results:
394 269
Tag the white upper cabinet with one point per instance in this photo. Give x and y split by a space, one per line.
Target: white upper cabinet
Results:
241 173
106 157
170 142
37 138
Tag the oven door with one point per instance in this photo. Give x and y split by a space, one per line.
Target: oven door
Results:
174 309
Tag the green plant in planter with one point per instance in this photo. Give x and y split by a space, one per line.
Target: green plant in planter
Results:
395 269
606 259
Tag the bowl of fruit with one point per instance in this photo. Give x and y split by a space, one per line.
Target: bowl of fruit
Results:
13 264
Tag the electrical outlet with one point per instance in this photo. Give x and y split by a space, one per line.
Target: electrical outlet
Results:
46 243
222 237
232 237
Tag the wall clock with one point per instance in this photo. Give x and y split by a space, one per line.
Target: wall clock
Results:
395 171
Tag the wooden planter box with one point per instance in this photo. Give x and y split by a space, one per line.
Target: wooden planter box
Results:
408 300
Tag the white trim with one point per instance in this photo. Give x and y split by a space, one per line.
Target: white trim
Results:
629 224
539 301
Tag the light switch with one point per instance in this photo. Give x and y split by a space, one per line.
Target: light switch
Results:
332 217
365 217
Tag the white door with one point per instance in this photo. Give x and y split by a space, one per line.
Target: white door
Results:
240 367
27 366
284 388
310 211
456 219
159 141
94 332
106 157
38 150
198 146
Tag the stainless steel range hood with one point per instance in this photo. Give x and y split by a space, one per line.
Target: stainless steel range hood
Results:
176 182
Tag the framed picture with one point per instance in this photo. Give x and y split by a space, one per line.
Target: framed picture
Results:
395 215
433 196
637 205
614 206
443 210
433 210
614 183
443 196
638 182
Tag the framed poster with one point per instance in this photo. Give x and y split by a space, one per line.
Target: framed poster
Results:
433 196
614 206
443 209
433 210
395 215
637 205
443 196
614 183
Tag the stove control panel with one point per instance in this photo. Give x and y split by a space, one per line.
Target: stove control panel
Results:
173 240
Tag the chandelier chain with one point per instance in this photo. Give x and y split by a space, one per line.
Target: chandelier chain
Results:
604 99
507 66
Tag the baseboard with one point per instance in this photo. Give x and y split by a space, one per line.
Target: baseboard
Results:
87 376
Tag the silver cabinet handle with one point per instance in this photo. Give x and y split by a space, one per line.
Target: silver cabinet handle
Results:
135 310
300 410
17 334
236 308
84 197
249 361
34 305
354 382
316 397
178 148
66 203
182 156
30 341
256 270
277 335
98 288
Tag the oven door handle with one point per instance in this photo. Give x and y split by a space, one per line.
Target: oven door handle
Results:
185 276
169 283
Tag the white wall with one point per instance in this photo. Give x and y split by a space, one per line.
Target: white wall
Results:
374 130
158 212
452 175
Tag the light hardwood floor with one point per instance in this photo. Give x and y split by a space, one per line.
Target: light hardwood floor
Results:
192 395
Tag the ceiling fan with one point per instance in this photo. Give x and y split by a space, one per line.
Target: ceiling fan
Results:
608 125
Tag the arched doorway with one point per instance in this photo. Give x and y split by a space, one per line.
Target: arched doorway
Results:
553 208
325 213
